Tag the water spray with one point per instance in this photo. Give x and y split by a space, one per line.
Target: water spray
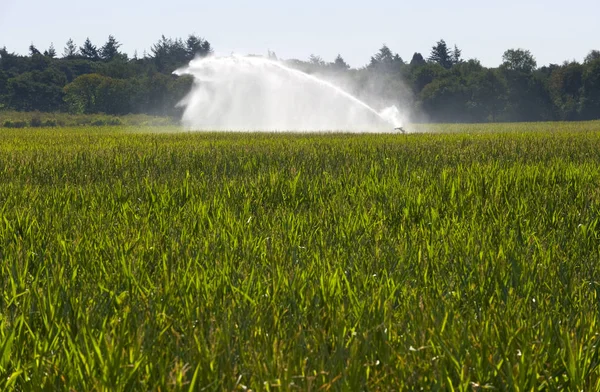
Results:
243 93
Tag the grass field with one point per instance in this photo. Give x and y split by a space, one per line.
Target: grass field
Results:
467 260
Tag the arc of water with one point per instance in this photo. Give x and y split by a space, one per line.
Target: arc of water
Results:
196 67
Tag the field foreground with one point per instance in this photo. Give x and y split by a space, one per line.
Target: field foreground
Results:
183 261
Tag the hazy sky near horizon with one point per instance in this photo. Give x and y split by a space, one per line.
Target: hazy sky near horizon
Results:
554 31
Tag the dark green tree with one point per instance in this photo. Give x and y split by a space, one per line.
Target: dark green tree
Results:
528 98
113 96
591 56
417 60
196 46
445 99
33 50
169 54
39 62
178 53
89 50
488 96
441 55
422 76
36 90
3 87
81 95
590 95
565 85
110 50
520 60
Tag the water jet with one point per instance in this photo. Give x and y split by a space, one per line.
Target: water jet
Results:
244 93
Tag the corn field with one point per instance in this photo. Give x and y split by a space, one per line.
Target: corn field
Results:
465 258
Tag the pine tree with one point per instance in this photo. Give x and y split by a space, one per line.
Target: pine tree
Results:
593 55
384 56
70 50
110 50
456 56
88 50
169 54
196 46
340 64
51 52
33 50
441 55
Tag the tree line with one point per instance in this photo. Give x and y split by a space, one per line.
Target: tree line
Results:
442 87
91 79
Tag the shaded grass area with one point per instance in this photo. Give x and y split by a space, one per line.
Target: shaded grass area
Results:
13 119
182 261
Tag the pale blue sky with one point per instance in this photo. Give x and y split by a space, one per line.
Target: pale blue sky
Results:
552 30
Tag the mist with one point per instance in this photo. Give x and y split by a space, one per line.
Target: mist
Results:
248 93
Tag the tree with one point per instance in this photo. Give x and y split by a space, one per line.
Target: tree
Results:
110 50
161 48
528 98
81 94
89 51
169 54
565 85
70 50
33 50
488 96
39 62
384 57
593 55
316 60
36 90
339 64
385 60
519 60
445 99
441 55
14 64
417 60
51 52
422 76
469 67
455 57
113 96
590 96
3 83
196 46
4 53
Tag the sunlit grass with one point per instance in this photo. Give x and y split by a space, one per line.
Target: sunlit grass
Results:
134 261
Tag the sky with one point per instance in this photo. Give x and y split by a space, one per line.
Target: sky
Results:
554 31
